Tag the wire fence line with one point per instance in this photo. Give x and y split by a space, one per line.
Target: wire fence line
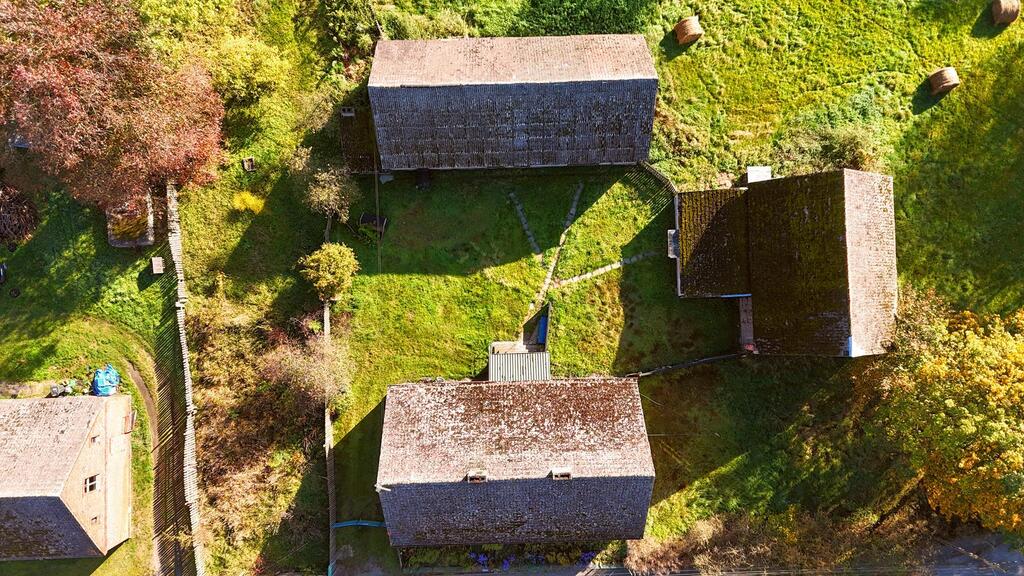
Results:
176 498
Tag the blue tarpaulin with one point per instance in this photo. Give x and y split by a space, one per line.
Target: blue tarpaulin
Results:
105 381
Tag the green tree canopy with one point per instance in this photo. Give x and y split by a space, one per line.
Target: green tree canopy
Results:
330 269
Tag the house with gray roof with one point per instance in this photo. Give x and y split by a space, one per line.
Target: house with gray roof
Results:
513 102
514 462
811 259
65 476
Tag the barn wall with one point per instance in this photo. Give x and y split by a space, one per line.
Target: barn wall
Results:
91 460
517 511
514 125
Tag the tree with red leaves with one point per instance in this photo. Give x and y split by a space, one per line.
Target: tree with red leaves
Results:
97 108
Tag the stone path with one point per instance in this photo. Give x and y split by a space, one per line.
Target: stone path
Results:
604 269
569 219
526 224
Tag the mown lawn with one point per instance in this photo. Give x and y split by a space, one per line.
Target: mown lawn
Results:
84 304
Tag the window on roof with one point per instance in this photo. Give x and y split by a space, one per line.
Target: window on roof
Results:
95 439
92 483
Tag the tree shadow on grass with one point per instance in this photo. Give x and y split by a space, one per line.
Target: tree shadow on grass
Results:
958 208
65 268
300 540
465 223
659 327
267 254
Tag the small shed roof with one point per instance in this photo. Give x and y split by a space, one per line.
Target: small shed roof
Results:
542 59
518 366
40 440
438 431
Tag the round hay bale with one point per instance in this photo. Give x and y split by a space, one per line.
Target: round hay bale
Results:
688 30
943 80
1005 11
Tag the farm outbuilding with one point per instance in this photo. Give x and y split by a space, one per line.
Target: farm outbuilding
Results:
526 359
512 102
815 255
65 476
514 462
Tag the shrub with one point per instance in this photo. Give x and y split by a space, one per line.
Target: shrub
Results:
247 201
349 26
315 372
99 111
244 69
446 23
330 269
954 400
821 148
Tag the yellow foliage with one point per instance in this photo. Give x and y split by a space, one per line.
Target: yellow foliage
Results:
954 398
246 201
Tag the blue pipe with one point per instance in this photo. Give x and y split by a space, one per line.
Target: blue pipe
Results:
368 523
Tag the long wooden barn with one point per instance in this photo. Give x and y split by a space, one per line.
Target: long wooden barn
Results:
513 102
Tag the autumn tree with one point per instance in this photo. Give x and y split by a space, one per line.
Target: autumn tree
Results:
96 107
332 192
330 189
330 269
954 399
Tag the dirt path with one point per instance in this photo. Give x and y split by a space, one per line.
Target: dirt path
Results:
153 418
150 403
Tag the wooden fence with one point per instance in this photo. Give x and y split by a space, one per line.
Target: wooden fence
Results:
177 500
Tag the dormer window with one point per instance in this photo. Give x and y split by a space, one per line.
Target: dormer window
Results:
561 473
92 483
476 476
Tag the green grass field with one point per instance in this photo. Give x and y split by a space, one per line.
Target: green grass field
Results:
771 438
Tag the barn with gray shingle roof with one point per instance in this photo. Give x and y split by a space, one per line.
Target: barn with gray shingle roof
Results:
511 462
513 102
65 476
816 255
